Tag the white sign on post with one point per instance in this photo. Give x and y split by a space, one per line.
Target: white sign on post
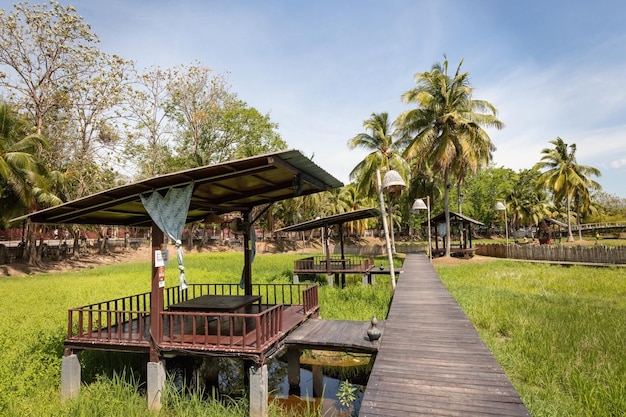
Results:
158 258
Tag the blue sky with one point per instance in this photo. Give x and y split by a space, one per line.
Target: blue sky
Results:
320 68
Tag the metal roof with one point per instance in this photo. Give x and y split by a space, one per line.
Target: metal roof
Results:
556 222
453 216
237 185
331 220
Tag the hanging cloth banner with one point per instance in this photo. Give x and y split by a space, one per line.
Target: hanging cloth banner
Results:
169 213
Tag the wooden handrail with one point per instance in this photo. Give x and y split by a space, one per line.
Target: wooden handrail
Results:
125 319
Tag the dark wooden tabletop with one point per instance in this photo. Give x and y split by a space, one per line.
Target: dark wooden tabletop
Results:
220 303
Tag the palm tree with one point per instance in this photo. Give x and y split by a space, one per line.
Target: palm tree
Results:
384 154
564 176
20 170
446 130
583 203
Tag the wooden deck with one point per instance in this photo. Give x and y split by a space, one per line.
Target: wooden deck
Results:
250 330
338 335
431 360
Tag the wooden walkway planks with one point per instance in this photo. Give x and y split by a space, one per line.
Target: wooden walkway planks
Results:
341 335
431 360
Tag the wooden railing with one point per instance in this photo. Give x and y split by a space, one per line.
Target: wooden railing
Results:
310 299
272 294
336 263
121 319
125 321
242 332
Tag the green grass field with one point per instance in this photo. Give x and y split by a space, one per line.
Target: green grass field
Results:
33 325
559 333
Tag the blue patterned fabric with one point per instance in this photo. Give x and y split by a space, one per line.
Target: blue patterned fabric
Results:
169 213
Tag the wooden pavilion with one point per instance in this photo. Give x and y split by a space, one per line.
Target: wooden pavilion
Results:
461 227
332 265
248 321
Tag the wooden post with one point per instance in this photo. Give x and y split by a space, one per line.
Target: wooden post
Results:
318 381
247 253
293 370
156 294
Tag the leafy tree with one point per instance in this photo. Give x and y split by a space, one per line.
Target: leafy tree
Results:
561 173
353 201
251 132
198 99
86 138
151 129
18 162
527 204
384 154
50 66
610 207
483 189
25 184
42 47
447 128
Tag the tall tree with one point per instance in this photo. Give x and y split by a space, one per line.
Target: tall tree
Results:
19 166
198 99
561 174
151 129
384 153
41 47
250 132
447 128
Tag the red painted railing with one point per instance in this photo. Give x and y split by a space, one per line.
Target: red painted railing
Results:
125 322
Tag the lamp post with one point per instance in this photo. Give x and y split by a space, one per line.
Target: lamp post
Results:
502 206
383 212
420 205
393 183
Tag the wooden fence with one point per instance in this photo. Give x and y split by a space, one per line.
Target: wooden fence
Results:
597 254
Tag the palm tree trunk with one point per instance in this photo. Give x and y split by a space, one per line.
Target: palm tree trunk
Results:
446 204
580 233
570 236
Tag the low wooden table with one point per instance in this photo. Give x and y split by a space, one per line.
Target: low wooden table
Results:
216 303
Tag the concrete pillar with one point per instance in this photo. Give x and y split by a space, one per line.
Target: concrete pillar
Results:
259 391
293 370
331 280
318 381
70 377
296 279
155 384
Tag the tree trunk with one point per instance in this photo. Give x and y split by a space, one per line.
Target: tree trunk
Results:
446 204
570 236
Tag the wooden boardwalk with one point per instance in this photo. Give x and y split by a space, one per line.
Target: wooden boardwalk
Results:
339 335
431 361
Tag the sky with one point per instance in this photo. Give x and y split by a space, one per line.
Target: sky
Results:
321 68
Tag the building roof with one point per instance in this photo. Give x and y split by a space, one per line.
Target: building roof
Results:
555 222
332 220
237 185
453 217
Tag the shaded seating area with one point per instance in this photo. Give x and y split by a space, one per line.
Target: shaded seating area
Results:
334 266
460 234
241 319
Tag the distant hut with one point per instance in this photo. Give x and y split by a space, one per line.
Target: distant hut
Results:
460 231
